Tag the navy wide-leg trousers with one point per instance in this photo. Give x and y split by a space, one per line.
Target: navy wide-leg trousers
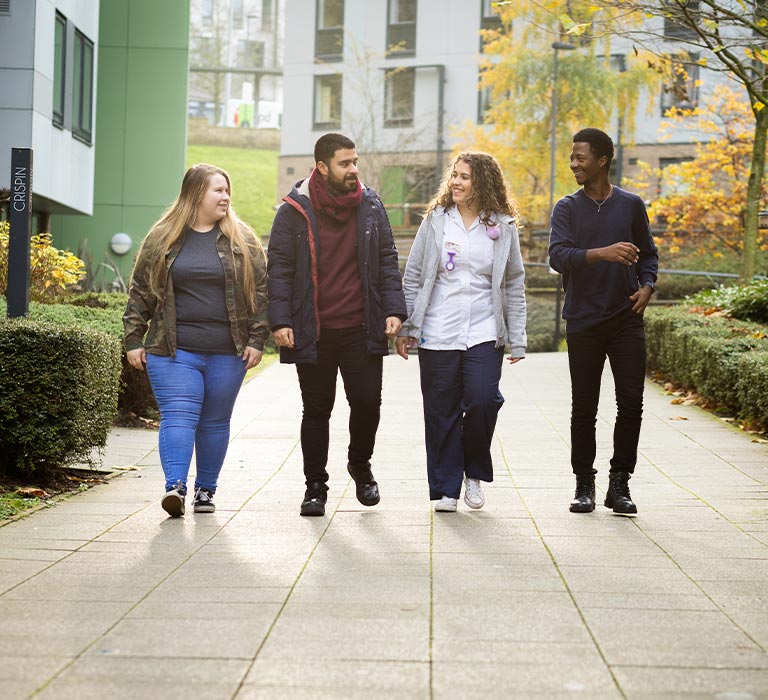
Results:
460 390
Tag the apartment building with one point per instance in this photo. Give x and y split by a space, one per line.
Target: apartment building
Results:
236 58
98 90
397 75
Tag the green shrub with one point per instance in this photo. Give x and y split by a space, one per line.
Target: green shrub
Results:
101 312
58 394
749 303
722 359
673 287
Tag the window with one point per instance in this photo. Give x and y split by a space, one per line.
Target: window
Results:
5 7
672 183
398 97
250 54
327 102
682 91
489 19
677 20
237 12
401 27
59 69
82 102
266 15
329 30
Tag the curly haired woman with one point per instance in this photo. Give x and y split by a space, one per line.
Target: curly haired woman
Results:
464 288
198 294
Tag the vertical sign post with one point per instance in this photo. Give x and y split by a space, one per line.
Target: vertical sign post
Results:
20 220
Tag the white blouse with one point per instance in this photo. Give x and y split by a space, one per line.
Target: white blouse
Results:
460 311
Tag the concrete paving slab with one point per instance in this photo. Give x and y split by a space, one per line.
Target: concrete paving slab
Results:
397 601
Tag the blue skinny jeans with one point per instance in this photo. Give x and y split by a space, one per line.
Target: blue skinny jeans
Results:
196 394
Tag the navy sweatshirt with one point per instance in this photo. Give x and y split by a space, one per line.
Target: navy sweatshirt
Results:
595 293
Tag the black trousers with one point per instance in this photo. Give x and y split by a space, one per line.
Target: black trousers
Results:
460 390
339 350
622 341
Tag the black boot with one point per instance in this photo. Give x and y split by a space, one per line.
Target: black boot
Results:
366 488
584 499
618 497
315 498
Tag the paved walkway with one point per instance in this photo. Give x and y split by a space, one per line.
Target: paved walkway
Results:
102 596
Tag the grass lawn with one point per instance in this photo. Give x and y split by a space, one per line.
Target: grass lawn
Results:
254 180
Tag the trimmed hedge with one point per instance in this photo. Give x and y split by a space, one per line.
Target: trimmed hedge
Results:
58 394
101 312
722 359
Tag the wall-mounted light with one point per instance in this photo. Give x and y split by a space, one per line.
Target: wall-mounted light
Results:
762 219
120 243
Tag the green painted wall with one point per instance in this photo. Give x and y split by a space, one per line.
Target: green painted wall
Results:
141 122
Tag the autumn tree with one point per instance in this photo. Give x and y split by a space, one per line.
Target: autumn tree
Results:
701 202
595 87
725 36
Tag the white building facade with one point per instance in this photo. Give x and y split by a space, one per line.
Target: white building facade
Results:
397 75
48 72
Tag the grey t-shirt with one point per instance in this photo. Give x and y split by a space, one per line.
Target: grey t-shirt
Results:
202 323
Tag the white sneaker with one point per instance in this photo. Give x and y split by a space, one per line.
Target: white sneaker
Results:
473 493
445 505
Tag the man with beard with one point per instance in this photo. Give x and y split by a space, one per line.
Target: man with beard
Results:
335 297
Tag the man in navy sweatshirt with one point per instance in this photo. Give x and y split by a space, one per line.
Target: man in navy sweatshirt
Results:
601 242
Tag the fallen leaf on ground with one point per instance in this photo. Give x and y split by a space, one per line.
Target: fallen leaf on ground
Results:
679 418
32 492
677 401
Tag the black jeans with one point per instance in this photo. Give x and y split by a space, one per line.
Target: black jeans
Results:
339 350
622 340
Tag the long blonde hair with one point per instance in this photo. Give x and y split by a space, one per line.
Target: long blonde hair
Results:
490 194
171 226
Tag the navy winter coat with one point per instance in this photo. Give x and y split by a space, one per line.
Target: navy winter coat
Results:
292 273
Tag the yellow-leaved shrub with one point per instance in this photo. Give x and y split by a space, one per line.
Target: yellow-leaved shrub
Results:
52 271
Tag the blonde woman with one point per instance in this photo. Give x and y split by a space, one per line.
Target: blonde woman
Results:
196 321
464 289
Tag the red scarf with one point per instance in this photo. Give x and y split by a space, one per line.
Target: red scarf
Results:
340 289
337 207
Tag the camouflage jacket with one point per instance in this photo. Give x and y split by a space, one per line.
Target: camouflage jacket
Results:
155 317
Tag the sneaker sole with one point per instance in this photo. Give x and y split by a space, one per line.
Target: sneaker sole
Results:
620 512
370 502
445 509
474 506
173 505
205 509
312 510
581 509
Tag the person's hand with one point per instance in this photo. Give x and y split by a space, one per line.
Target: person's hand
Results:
284 338
640 299
403 344
137 358
393 326
621 252
514 360
251 357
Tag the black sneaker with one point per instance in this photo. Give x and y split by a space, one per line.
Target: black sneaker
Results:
173 501
366 488
315 498
203 502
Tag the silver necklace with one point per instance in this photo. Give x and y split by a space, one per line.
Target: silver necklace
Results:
600 204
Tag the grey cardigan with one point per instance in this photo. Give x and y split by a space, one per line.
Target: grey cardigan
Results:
507 280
